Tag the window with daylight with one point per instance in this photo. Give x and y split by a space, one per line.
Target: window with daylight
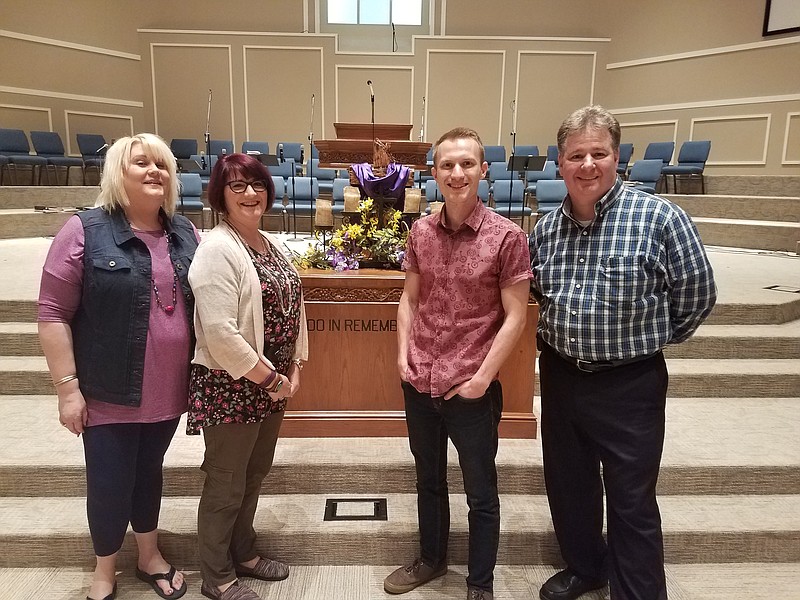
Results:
375 12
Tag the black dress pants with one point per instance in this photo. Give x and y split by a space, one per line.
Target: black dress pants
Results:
614 418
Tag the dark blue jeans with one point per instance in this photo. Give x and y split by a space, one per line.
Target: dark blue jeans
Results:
472 426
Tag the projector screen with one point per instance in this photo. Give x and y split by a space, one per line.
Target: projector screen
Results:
781 16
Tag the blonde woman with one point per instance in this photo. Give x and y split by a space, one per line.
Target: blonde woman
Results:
114 323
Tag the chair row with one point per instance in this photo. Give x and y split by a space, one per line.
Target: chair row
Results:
15 151
691 162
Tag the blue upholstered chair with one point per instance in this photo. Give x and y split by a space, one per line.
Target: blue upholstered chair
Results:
526 151
509 199
532 178
625 153
278 207
183 147
206 164
550 193
294 151
644 174
15 147
324 177
494 154
285 169
691 163
302 194
48 145
190 195
220 147
659 150
255 147
92 147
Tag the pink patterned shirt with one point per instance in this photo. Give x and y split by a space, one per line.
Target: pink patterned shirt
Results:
459 309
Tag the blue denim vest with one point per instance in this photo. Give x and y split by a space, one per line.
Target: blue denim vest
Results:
110 327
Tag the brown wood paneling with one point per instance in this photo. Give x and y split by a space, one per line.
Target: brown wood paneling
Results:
350 386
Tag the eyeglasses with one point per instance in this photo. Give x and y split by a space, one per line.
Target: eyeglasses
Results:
239 187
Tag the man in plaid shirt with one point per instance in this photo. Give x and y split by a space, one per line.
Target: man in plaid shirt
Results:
619 274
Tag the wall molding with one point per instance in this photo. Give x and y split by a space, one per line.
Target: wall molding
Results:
784 159
247 47
33 108
68 112
673 122
65 96
591 53
702 53
706 104
338 68
227 47
71 45
732 163
502 53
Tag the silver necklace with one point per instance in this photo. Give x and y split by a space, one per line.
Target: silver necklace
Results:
284 302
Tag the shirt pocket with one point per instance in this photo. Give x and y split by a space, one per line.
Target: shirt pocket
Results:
620 280
108 273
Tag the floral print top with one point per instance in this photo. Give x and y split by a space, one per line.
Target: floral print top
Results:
214 396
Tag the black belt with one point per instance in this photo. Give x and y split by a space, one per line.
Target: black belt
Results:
597 366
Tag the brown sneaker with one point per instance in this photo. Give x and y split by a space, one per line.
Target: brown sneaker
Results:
238 591
474 593
410 576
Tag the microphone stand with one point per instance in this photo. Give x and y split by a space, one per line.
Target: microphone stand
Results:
207 134
422 138
311 165
513 152
294 198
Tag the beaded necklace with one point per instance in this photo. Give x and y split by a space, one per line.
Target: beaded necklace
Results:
284 300
169 308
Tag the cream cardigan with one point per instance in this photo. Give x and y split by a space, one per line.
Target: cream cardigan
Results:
228 313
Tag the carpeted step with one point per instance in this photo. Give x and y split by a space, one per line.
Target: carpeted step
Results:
52 196
711 378
740 341
712 446
740 233
318 582
710 341
53 531
758 208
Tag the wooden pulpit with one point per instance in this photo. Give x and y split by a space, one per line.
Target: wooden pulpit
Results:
355 143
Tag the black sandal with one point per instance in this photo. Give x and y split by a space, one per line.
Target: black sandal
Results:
168 577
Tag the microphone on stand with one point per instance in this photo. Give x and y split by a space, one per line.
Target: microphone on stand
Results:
203 161
207 134
372 102
280 152
101 148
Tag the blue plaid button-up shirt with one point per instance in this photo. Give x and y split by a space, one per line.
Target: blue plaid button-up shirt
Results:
633 280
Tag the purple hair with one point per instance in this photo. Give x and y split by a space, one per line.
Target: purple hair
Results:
237 166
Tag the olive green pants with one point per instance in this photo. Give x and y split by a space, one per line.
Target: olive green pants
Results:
237 459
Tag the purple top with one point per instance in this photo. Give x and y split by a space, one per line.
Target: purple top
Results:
165 387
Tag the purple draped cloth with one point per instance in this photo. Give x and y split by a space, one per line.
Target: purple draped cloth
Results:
393 185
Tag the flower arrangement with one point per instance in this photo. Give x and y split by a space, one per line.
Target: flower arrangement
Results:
355 244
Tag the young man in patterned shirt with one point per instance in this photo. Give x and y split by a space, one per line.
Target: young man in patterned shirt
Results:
462 311
619 274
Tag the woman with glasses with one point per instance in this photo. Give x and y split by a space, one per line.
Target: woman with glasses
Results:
251 343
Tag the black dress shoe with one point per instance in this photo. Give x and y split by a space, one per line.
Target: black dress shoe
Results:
565 585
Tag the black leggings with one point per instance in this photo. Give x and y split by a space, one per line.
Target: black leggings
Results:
123 479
